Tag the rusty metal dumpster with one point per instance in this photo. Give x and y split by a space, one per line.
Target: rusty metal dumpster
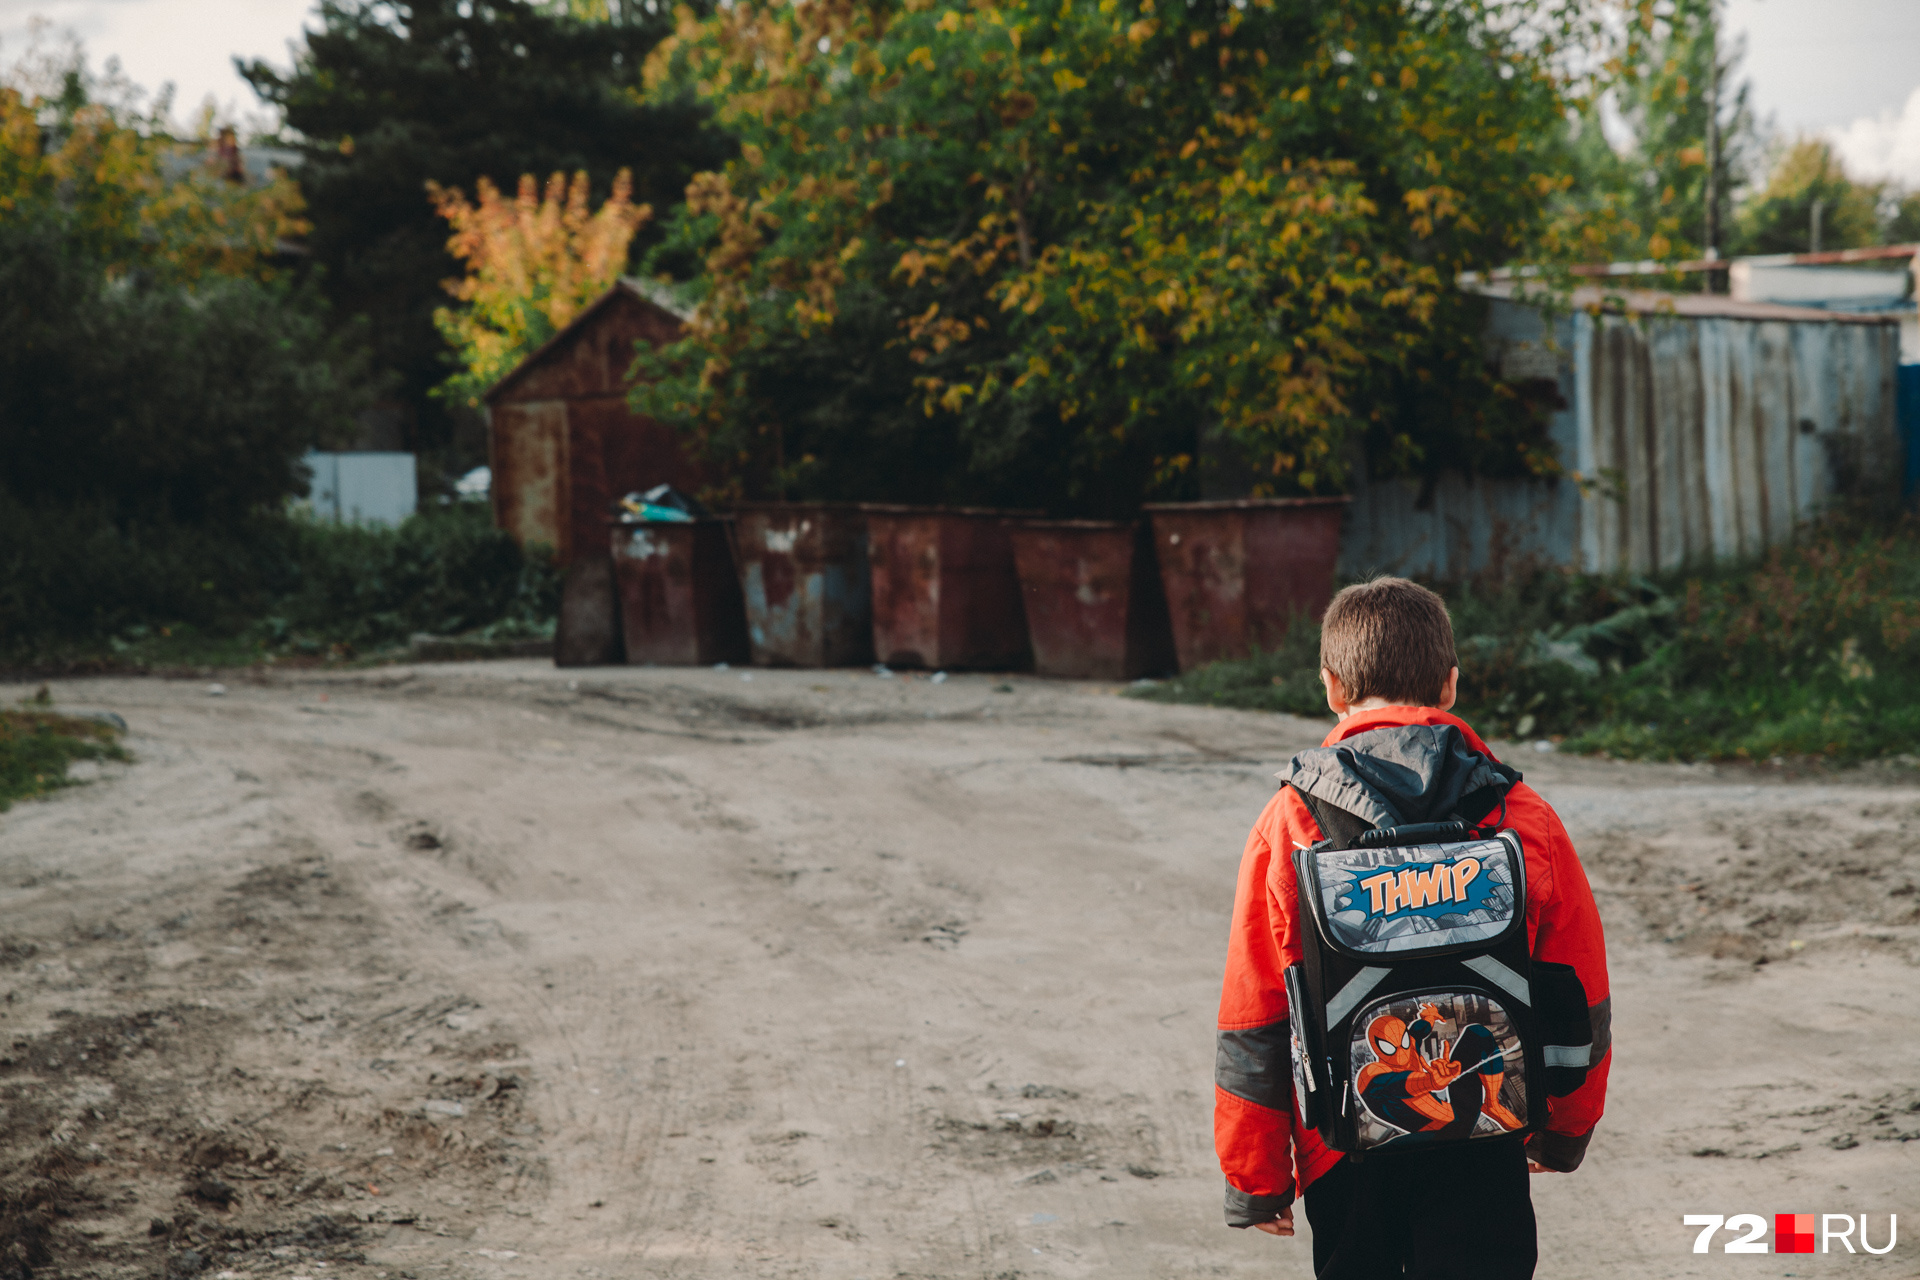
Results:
808 587
945 591
1095 610
1236 572
679 599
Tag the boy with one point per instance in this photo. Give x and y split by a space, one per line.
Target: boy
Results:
1440 1209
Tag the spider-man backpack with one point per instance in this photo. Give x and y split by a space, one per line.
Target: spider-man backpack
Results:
1418 1016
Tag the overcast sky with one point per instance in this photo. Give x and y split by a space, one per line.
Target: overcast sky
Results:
1846 68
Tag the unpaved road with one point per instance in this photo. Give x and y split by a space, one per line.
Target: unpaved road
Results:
497 970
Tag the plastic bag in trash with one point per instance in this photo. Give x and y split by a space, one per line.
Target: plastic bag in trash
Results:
665 495
662 503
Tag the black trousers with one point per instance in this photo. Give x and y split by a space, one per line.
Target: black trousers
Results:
1459 1212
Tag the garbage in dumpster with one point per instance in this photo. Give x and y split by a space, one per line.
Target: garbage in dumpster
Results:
634 511
662 504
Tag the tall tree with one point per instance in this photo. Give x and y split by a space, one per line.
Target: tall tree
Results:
1055 253
1678 106
1779 217
1903 223
389 95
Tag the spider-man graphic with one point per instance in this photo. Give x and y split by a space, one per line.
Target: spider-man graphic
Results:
1439 1097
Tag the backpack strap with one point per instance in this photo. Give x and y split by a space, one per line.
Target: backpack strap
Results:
1476 805
1335 823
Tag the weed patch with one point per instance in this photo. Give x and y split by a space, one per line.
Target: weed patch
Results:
37 745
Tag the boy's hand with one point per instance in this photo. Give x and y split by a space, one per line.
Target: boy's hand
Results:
1281 1226
1534 1166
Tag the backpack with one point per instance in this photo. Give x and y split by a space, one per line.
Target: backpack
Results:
1418 1015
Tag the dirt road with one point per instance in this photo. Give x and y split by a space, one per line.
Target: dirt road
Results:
497 970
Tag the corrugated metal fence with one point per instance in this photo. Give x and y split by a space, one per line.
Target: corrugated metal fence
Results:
1691 438
1712 438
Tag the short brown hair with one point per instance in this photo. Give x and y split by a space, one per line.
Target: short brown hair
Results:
1389 638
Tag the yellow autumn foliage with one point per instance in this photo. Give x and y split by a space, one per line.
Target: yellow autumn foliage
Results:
533 262
1108 229
135 199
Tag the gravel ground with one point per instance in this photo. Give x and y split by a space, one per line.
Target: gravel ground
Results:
489 969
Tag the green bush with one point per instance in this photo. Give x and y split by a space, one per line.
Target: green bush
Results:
152 404
76 575
1810 653
76 589
446 570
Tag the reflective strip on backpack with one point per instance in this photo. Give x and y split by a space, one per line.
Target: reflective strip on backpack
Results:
1354 992
1567 1055
1501 976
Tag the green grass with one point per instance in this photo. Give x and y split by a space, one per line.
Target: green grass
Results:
37 745
1812 653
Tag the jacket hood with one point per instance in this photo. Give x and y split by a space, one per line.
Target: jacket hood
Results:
1400 773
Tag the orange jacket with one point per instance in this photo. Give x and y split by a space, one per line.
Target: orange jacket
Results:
1264 1150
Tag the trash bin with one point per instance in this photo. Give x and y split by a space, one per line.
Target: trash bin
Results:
945 591
679 599
1236 572
808 588
1094 605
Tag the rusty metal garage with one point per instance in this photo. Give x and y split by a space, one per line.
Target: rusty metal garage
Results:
561 440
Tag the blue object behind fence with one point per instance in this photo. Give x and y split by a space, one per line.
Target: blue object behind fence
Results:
1909 413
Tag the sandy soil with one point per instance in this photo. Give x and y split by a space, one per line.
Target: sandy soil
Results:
496 970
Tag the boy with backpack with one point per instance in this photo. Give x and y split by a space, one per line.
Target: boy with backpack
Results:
1415 1013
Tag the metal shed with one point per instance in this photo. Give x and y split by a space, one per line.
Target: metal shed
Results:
1695 427
561 440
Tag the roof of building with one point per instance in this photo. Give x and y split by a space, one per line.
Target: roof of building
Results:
1671 266
642 290
251 166
1698 306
